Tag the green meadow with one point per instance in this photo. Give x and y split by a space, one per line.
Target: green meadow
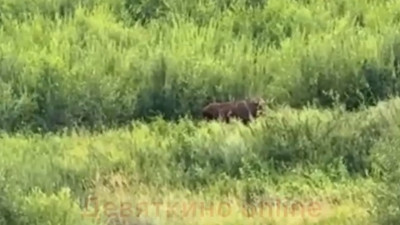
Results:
100 112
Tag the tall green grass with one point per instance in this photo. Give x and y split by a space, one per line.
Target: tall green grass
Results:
104 63
108 62
290 154
336 157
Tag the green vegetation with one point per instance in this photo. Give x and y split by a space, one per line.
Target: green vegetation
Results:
113 65
306 155
87 62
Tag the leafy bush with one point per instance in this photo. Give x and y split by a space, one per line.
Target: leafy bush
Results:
109 62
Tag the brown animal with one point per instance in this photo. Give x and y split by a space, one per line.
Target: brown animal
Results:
245 110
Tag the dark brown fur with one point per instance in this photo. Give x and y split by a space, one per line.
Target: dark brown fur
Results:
245 110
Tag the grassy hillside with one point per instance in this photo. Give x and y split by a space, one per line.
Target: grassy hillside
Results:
114 62
108 62
303 157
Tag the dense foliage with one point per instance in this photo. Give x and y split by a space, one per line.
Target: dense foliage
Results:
113 62
108 62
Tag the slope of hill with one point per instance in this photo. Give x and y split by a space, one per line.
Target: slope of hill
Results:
113 62
108 62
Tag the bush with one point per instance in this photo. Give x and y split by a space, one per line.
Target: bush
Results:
194 156
109 62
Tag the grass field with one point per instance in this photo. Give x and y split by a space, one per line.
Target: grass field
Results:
100 102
